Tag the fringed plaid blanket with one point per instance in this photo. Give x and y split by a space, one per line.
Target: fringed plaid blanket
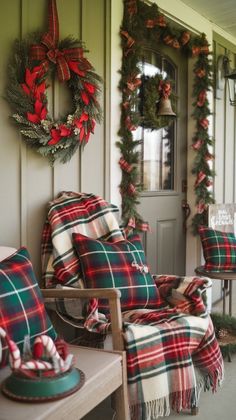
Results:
74 212
172 353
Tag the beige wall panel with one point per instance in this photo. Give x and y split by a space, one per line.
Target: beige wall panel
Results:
229 152
27 180
36 173
67 176
69 14
10 231
38 191
92 159
224 133
219 152
219 136
229 147
34 16
234 180
224 139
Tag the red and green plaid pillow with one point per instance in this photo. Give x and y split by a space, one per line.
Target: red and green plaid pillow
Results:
119 265
22 310
219 249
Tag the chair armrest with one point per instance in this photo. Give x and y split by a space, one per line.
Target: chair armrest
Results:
113 296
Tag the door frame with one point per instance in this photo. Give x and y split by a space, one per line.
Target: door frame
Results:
181 15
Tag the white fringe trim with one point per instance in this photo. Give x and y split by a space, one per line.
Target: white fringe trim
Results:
151 410
178 401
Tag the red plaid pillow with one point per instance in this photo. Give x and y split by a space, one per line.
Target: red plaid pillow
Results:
22 310
219 249
119 265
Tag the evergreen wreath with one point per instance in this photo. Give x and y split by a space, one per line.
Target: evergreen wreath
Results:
150 95
37 59
142 22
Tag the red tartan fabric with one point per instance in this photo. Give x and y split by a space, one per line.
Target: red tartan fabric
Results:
172 353
219 249
121 265
71 213
53 24
191 288
163 350
22 309
48 49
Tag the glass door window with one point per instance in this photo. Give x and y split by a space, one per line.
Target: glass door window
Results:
157 147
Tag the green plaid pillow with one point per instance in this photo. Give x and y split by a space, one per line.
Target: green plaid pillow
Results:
119 265
22 309
219 249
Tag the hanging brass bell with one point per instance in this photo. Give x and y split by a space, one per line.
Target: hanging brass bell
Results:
165 108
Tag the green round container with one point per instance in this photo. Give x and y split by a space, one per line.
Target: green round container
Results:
42 389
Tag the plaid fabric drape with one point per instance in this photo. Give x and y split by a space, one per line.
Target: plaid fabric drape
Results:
172 353
22 311
71 212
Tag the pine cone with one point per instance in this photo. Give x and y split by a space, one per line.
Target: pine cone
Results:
221 333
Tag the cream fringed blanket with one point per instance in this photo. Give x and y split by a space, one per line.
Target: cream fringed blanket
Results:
172 353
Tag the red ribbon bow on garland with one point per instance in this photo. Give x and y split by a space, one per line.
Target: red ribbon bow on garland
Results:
64 59
165 89
158 21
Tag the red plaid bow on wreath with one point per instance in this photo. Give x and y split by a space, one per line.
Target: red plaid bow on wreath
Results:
47 51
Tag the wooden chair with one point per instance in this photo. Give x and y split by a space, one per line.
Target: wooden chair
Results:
118 331
120 395
113 296
58 256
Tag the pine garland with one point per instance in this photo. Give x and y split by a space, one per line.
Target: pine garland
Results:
225 325
144 22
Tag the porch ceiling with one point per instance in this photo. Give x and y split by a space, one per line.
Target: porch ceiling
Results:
222 13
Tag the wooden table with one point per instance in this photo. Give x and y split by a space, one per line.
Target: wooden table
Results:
105 373
227 277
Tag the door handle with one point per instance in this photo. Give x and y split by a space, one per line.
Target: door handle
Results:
186 210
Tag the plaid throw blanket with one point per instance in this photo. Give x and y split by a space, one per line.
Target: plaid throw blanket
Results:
73 212
172 353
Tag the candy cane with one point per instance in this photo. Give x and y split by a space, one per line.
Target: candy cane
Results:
58 363
2 333
48 345
14 357
36 365
42 343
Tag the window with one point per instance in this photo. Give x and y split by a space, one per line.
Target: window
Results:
157 147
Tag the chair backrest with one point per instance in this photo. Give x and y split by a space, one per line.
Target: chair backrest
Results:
222 217
70 213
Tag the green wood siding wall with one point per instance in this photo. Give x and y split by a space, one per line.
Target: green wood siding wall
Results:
27 182
224 133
